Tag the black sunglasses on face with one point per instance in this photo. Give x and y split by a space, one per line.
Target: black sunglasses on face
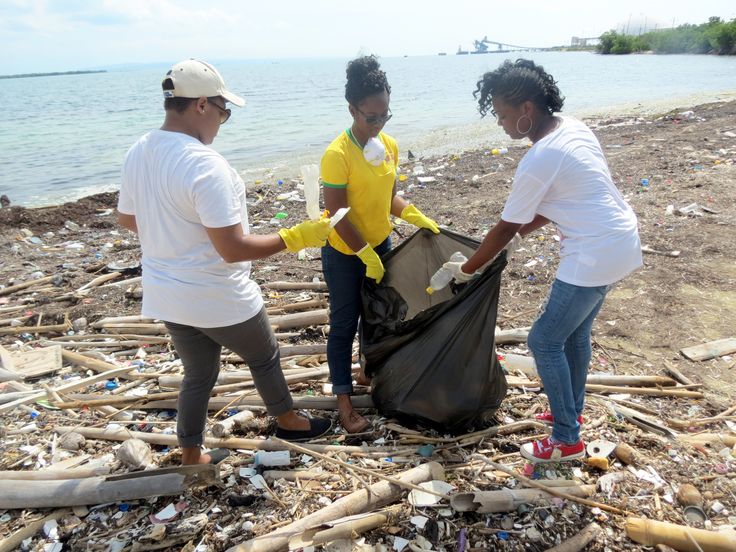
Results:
224 113
375 119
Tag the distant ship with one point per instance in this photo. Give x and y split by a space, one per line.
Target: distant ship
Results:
442 54
461 52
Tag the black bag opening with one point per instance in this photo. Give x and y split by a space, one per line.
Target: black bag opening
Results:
433 357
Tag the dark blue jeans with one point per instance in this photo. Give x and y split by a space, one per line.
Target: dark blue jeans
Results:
344 276
560 343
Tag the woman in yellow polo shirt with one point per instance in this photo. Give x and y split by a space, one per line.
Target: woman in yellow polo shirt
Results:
358 170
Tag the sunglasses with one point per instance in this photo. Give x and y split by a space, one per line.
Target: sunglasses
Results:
224 113
375 119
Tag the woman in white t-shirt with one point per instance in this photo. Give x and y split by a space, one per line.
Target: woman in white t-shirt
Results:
563 179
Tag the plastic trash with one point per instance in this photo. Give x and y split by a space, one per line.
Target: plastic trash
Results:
645 182
310 176
499 151
272 458
443 276
338 216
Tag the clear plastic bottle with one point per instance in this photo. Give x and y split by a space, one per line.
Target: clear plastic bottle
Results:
443 276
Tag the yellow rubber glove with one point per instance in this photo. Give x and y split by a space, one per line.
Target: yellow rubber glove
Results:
310 233
373 265
414 216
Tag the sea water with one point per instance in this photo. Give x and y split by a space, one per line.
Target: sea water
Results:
64 137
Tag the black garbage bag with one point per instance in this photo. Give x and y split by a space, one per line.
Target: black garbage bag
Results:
432 357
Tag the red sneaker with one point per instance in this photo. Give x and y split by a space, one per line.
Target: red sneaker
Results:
547 450
548 418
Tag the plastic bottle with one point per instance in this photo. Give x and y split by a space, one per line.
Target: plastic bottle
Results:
444 276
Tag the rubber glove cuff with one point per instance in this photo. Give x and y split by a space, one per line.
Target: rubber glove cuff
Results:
456 268
373 265
310 233
414 216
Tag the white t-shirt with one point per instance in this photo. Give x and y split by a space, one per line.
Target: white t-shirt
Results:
176 187
565 178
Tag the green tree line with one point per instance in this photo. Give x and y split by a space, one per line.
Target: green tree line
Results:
714 37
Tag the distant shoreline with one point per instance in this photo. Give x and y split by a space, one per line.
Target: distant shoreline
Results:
55 74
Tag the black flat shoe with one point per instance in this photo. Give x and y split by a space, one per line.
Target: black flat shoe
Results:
218 455
317 428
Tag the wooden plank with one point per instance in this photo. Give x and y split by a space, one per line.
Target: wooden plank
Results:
38 362
711 349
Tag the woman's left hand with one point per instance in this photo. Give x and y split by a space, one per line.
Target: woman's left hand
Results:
414 216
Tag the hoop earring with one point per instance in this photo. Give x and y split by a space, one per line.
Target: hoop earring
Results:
527 131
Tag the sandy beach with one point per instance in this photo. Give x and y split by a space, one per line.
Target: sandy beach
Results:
677 170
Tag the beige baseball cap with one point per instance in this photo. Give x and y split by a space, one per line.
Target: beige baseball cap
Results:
193 79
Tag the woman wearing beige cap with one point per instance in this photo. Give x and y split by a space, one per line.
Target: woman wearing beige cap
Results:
188 206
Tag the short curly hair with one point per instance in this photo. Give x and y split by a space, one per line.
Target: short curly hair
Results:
365 78
517 82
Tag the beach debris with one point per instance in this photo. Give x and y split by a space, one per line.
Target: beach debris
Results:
135 454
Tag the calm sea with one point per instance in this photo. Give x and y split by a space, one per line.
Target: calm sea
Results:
64 137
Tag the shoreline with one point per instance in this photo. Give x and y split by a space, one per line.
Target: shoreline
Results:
442 141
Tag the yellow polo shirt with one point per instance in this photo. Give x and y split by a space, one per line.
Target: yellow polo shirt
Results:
369 188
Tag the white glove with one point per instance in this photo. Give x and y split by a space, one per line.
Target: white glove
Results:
457 271
514 244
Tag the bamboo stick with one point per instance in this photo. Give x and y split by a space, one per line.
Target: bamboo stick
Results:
348 529
62 388
376 496
287 286
50 474
653 392
506 500
17 287
13 542
551 490
36 329
684 539
100 490
300 319
579 541
212 442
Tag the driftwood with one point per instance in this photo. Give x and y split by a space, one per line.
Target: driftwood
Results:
711 349
506 500
100 490
93 364
13 542
84 382
653 392
684 539
347 528
50 474
243 376
676 374
303 402
719 439
37 329
38 362
551 490
17 287
212 442
293 475
287 286
225 427
579 541
375 496
295 307
300 319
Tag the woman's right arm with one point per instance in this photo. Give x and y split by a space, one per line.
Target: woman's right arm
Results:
535 224
337 198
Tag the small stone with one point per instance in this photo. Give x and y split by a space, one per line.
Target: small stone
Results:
72 441
135 454
80 324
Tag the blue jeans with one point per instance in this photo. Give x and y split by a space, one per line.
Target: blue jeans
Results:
560 343
344 276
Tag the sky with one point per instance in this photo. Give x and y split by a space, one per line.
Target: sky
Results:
64 35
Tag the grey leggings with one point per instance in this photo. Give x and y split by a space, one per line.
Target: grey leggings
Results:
199 350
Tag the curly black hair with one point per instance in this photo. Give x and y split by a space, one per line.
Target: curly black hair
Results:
517 82
365 78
